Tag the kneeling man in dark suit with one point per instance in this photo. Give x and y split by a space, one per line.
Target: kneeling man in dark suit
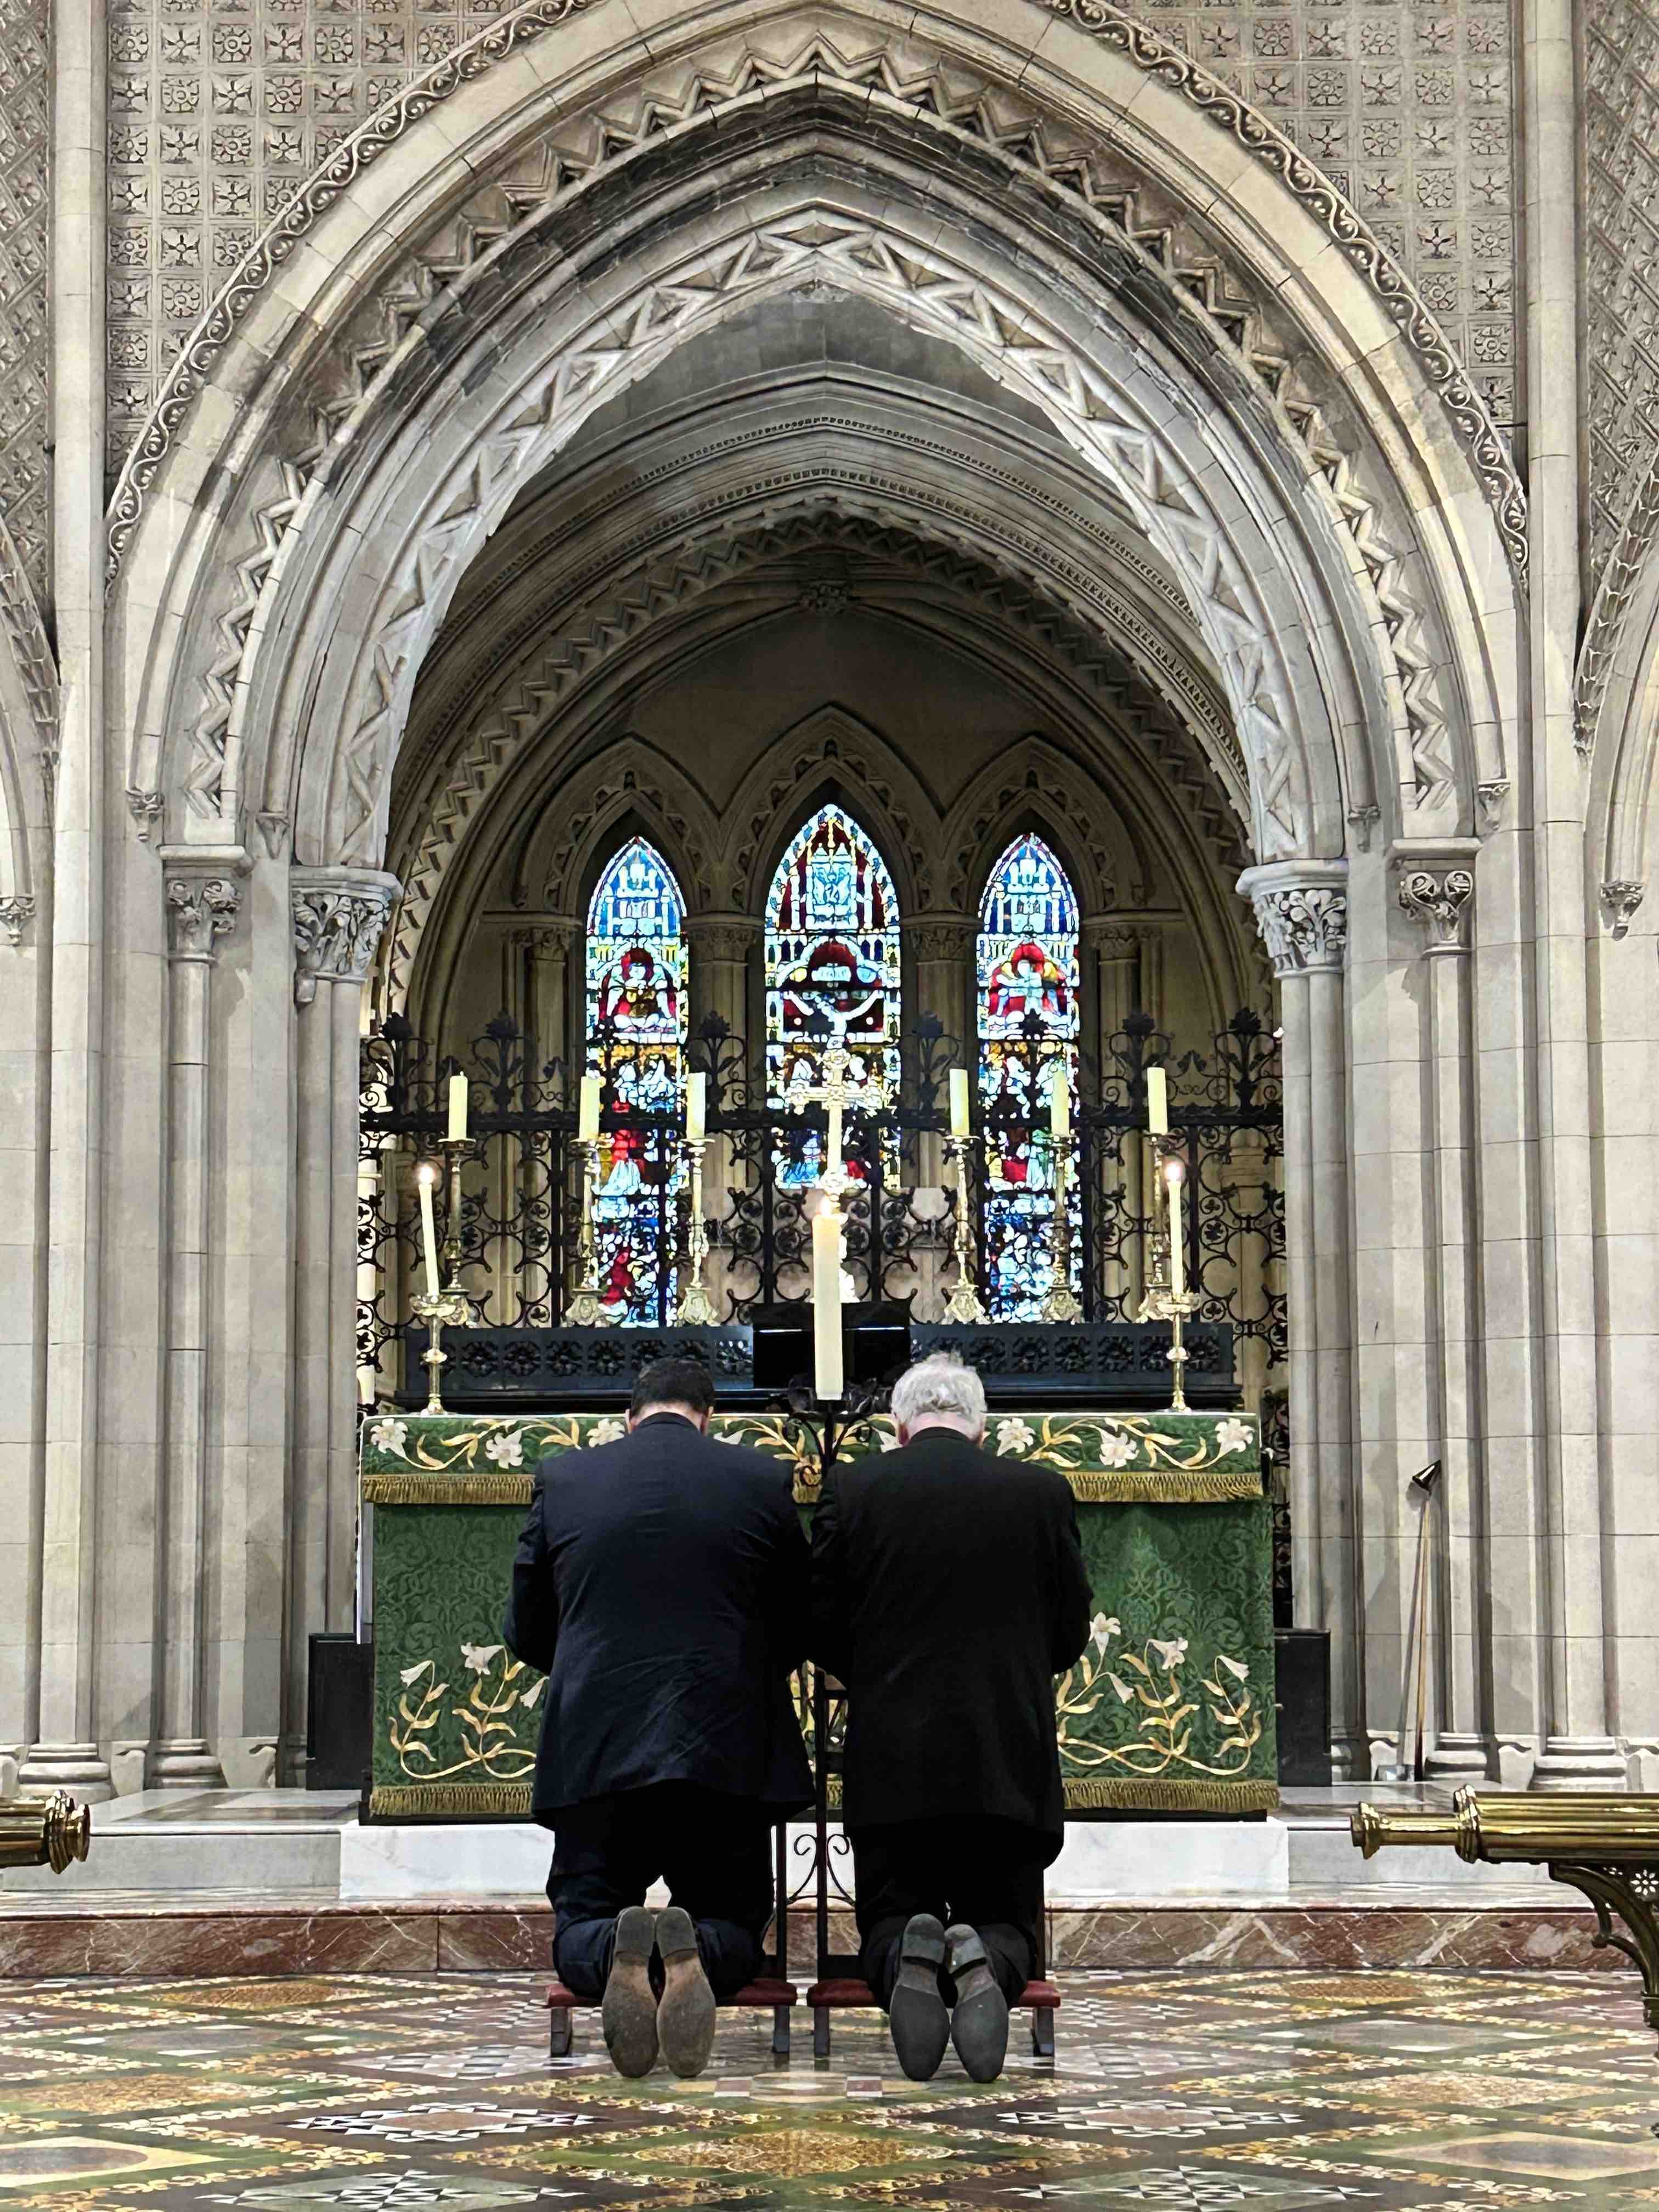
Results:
948 1590
662 1583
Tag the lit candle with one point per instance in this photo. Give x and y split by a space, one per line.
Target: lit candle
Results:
1060 1103
1175 1175
826 1304
457 1106
426 1175
587 1121
958 1102
1158 1102
697 1107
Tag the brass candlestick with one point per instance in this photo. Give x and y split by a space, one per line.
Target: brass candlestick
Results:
454 1149
964 1303
696 1309
1061 1304
584 1310
449 1309
1161 1302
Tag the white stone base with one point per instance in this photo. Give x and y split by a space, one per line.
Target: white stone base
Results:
492 1859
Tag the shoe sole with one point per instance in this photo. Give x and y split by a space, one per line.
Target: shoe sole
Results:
916 2016
979 2020
628 2012
685 2017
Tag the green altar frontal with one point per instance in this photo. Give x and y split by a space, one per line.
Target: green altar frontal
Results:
1169 1709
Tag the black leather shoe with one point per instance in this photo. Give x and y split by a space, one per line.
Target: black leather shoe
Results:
629 2012
685 2018
978 2020
916 2012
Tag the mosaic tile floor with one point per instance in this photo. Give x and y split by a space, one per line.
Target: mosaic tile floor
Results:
1391 2093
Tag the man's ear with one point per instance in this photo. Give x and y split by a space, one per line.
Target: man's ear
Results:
903 1434
632 1421
702 1425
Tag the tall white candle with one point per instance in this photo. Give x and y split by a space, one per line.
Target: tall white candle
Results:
588 1119
826 1304
1176 1177
958 1102
1158 1103
426 1175
1060 1102
696 1108
457 1105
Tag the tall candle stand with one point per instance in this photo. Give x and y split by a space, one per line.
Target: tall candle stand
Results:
964 1303
1162 1304
696 1309
584 1310
449 1310
1061 1304
455 1150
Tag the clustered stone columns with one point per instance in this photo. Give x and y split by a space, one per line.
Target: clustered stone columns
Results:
201 909
338 915
938 951
1436 889
1302 911
723 955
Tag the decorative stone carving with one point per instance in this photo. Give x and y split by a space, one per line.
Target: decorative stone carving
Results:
275 829
1303 927
1621 898
1620 126
1110 938
1439 897
726 939
1362 820
338 921
935 937
1491 796
201 909
25 216
146 808
550 937
823 595
15 914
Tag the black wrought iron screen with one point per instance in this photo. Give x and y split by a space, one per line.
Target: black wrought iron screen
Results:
520 1180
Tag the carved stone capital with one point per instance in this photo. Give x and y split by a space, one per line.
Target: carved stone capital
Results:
1302 911
338 915
1621 898
201 909
938 937
1110 936
1438 896
727 939
549 935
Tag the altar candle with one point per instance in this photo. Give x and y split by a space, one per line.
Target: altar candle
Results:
1176 1176
958 1102
426 1175
1158 1102
696 1102
457 1106
826 1304
1060 1103
587 1121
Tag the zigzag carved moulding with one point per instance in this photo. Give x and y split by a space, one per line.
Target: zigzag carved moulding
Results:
1405 307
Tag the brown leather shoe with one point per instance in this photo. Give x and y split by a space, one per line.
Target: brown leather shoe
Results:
685 2018
629 2010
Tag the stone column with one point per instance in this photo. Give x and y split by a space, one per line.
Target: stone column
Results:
1112 946
941 980
723 953
1302 911
338 915
551 939
201 909
1437 888
66 1753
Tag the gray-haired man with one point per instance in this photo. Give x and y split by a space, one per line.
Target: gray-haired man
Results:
949 1589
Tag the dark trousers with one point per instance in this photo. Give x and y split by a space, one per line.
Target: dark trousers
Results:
987 1873
714 1853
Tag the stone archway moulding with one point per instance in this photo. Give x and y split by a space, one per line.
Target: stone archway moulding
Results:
1142 46
1213 520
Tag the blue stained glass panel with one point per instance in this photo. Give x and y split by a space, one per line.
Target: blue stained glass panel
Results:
1027 980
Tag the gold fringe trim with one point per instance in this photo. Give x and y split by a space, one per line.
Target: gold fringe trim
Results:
452 1800
503 1488
1125 1795
1147 1487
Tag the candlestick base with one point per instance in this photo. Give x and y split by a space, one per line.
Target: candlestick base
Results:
696 1308
584 1310
1061 1304
965 1304
449 1310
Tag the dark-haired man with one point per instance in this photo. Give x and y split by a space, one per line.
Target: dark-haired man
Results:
662 1583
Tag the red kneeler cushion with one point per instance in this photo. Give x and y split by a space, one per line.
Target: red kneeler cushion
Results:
843 1995
769 1994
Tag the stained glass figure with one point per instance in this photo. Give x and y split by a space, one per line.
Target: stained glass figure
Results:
1028 1021
637 1030
832 954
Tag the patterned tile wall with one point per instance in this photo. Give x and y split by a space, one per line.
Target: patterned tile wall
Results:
25 117
1620 76
219 107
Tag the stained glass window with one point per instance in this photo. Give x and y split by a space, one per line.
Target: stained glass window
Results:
1028 1024
636 1041
832 951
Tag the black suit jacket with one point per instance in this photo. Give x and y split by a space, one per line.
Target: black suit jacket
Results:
948 1590
662 1583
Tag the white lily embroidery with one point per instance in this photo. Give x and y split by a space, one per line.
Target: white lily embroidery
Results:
608 1431
1171 1653
1102 1631
479 1657
407 1674
1015 1435
1125 1694
1236 1667
1231 1436
1116 1448
390 1437
505 1451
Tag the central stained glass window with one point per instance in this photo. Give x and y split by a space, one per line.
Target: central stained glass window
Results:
636 1042
1028 1025
832 951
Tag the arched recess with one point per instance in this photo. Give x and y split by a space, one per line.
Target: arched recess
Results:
831 757
1095 78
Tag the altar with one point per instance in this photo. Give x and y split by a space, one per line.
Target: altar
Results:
1169 1709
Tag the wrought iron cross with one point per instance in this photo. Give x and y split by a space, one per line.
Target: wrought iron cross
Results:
835 1093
